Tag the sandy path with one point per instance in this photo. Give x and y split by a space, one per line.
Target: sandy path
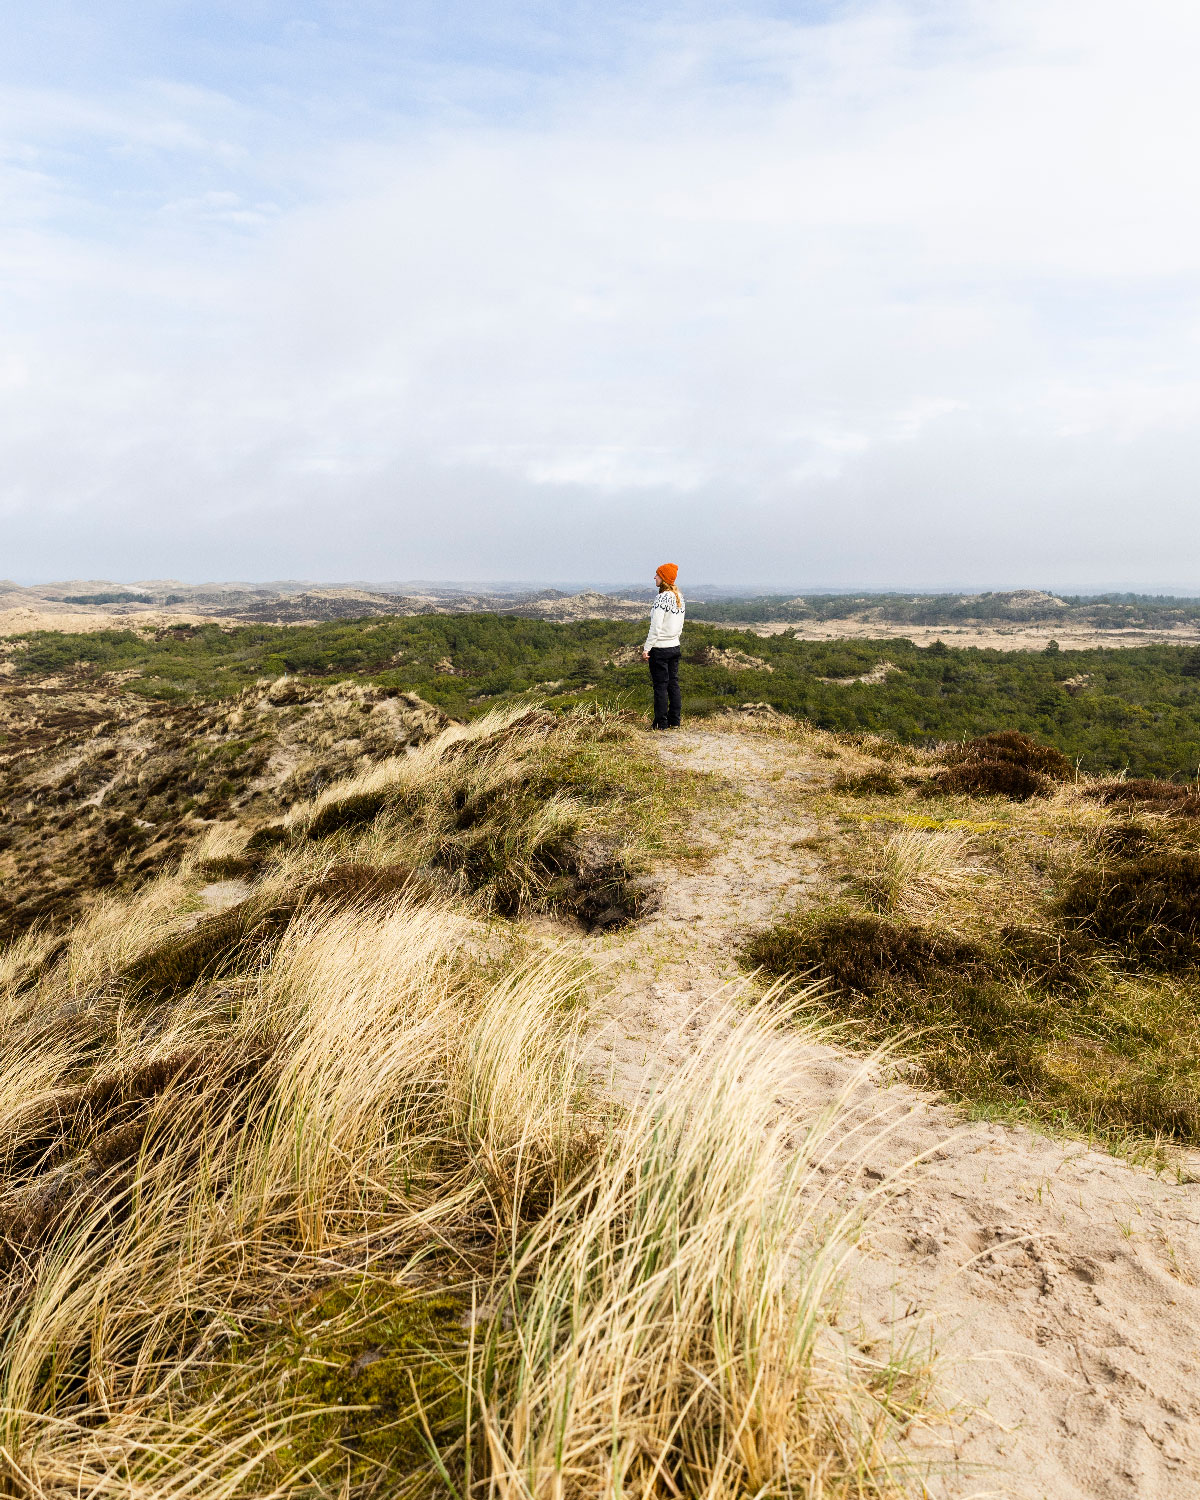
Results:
1059 1284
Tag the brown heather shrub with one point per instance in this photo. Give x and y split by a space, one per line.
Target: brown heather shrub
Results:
228 867
273 836
216 946
1155 796
1148 906
347 812
1006 763
1123 840
511 812
1047 957
859 950
1035 1025
874 783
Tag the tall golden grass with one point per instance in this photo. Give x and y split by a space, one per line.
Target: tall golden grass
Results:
394 1101
350 1214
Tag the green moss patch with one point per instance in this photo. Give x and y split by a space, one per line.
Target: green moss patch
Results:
370 1377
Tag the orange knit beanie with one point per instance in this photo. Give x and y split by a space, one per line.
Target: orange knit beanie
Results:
668 573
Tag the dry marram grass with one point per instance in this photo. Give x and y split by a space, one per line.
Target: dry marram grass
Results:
346 1213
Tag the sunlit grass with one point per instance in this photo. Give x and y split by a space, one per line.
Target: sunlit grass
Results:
963 930
319 1195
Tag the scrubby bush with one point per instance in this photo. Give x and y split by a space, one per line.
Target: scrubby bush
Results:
346 812
1148 792
874 783
1006 763
859 950
1148 906
250 931
1031 1021
510 812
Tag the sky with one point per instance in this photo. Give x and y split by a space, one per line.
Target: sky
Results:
900 294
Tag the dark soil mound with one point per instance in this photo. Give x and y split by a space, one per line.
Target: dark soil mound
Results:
1004 764
1148 905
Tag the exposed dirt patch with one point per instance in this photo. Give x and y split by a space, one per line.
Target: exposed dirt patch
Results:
732 659
1015 637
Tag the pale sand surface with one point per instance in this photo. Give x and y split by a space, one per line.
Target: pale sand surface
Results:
1057 1283
986 637
80 617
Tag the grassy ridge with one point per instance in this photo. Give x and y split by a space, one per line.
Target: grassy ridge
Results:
1136 709
1034 954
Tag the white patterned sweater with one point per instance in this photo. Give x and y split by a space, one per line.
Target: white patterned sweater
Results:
666 622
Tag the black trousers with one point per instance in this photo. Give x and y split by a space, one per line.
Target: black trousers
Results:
664 674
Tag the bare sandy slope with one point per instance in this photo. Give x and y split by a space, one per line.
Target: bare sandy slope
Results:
21 618
1059 1284
1032 637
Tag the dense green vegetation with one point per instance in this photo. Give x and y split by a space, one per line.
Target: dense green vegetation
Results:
1135 709
1097 612
110 596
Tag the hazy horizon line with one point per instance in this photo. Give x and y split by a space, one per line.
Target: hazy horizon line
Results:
734 589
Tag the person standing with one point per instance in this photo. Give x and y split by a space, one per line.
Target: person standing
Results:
662 649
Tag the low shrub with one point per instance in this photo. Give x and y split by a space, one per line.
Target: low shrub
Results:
1006 763
264 840
347 812
217 945
1048 957
859 950
874 783
249 932
1156 796
1033 1025
1124 840
524 812
229 867
1148 906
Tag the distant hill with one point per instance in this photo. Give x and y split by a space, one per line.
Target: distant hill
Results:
291 602
1018 607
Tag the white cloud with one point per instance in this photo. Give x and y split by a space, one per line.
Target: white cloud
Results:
907 296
